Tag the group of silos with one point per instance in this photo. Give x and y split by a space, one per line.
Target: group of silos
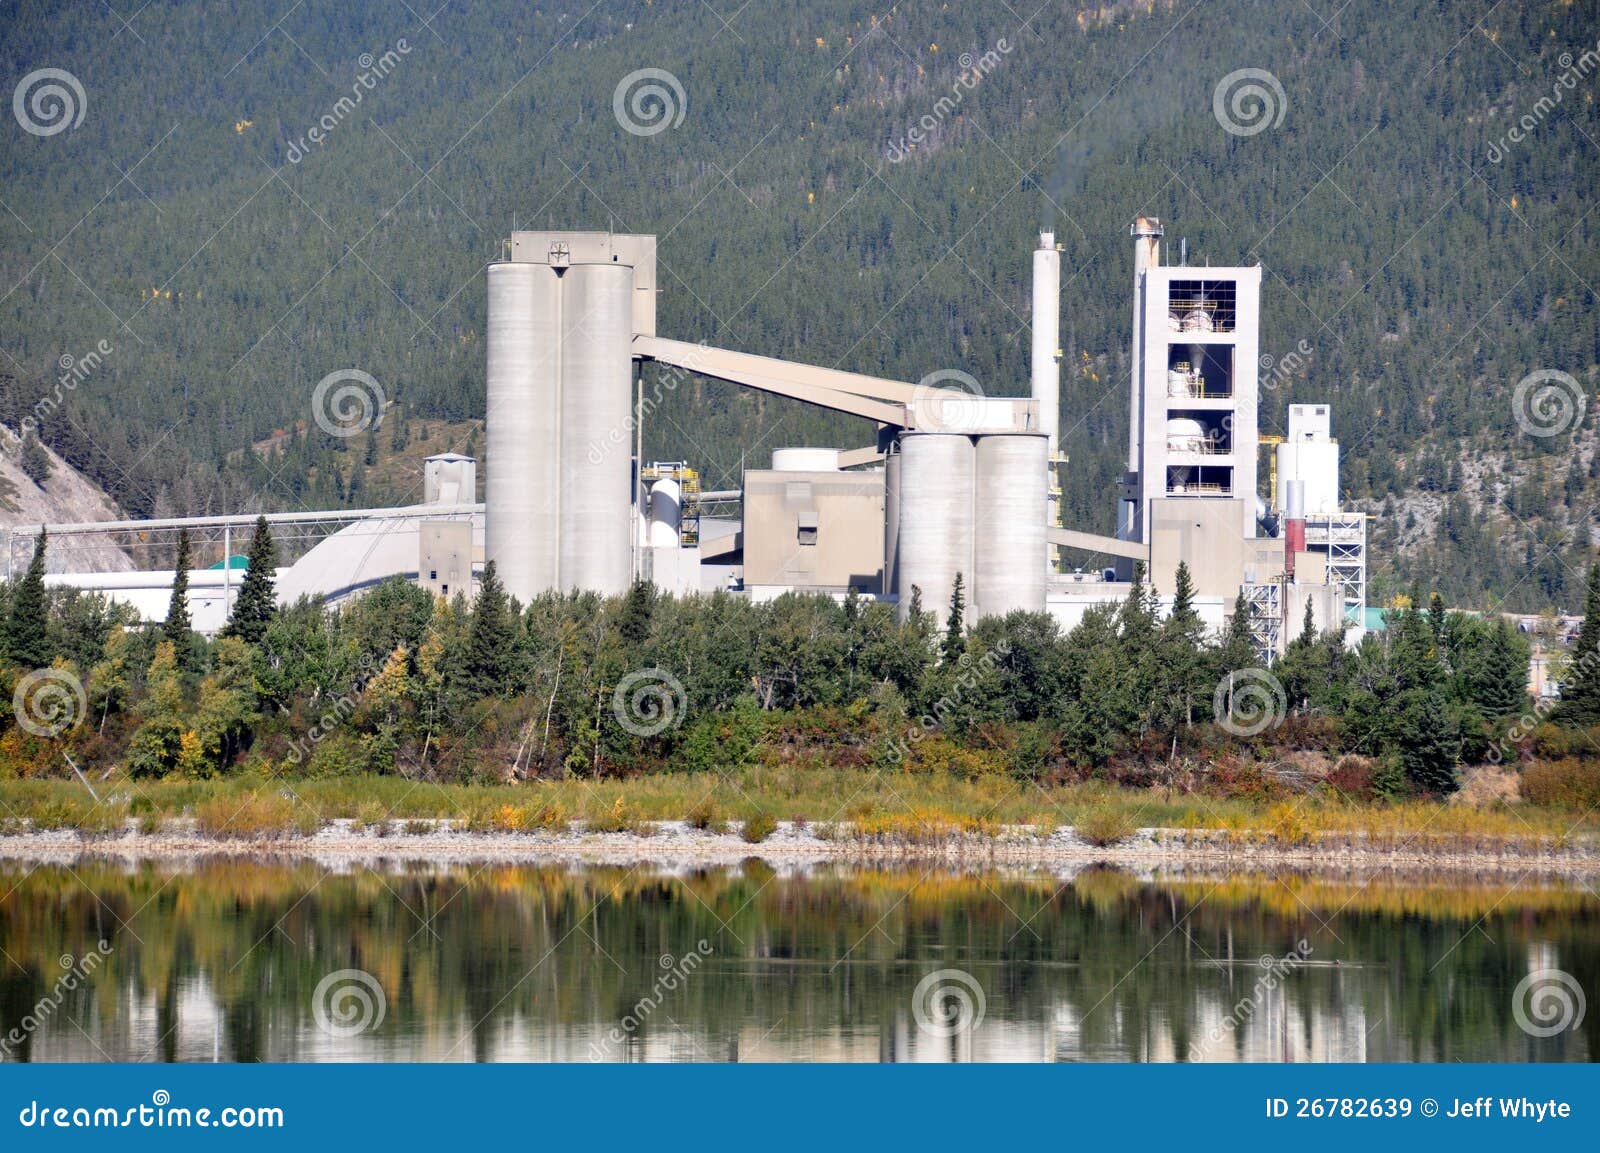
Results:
968 504
560 371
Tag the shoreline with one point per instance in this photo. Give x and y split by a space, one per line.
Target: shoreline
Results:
675 844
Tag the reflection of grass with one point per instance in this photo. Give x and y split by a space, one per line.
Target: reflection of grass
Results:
848 803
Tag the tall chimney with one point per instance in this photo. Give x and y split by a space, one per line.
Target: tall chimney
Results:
1047 363
1294 524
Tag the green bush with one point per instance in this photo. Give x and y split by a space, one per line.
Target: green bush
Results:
758 828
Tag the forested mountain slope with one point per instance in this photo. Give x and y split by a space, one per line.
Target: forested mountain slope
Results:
193 222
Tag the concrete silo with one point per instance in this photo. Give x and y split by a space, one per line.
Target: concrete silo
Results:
595 420
935 518
1010 492
522 482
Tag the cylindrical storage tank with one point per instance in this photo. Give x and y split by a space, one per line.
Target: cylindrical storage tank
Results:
936 475
521 487
596 430
666 512
1185 435
805 460
1180 381
891 520
1009 525
1317 463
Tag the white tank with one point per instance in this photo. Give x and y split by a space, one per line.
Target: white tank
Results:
1180 382
1185 435
1009 508
805 460
596 427
666 513
1317 463
935 538
520 488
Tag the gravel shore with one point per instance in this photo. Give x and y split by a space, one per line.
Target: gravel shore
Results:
675 844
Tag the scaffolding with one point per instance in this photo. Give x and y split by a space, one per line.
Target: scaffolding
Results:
1265 602
1342 537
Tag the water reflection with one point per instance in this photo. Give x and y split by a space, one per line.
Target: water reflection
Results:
238 960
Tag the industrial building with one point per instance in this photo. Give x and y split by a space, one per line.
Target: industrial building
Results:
954 483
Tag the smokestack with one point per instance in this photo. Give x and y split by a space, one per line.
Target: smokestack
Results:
1047 336
1146 233
1047 363
1294 524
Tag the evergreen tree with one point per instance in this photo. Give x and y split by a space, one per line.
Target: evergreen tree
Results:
955 641
257 602
1580 687
27 626
633 619
492 638
176 627
34 460
1183 669
1238 646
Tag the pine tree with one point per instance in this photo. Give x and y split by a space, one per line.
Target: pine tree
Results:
1238 645
492 639
27 625
1308 627
34 460
633 619
955 641
176 628
1580 688
1182 663
257 602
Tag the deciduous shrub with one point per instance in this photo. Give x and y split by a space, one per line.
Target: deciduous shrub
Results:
1565 784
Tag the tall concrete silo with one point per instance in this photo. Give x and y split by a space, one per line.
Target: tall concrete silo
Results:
936 529
522 483
595 422
1009 547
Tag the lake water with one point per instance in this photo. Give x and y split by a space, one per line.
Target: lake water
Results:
237 960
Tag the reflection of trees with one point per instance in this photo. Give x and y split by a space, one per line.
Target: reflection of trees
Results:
1110 965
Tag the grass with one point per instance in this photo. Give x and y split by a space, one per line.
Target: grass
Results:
840 803
1108 826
